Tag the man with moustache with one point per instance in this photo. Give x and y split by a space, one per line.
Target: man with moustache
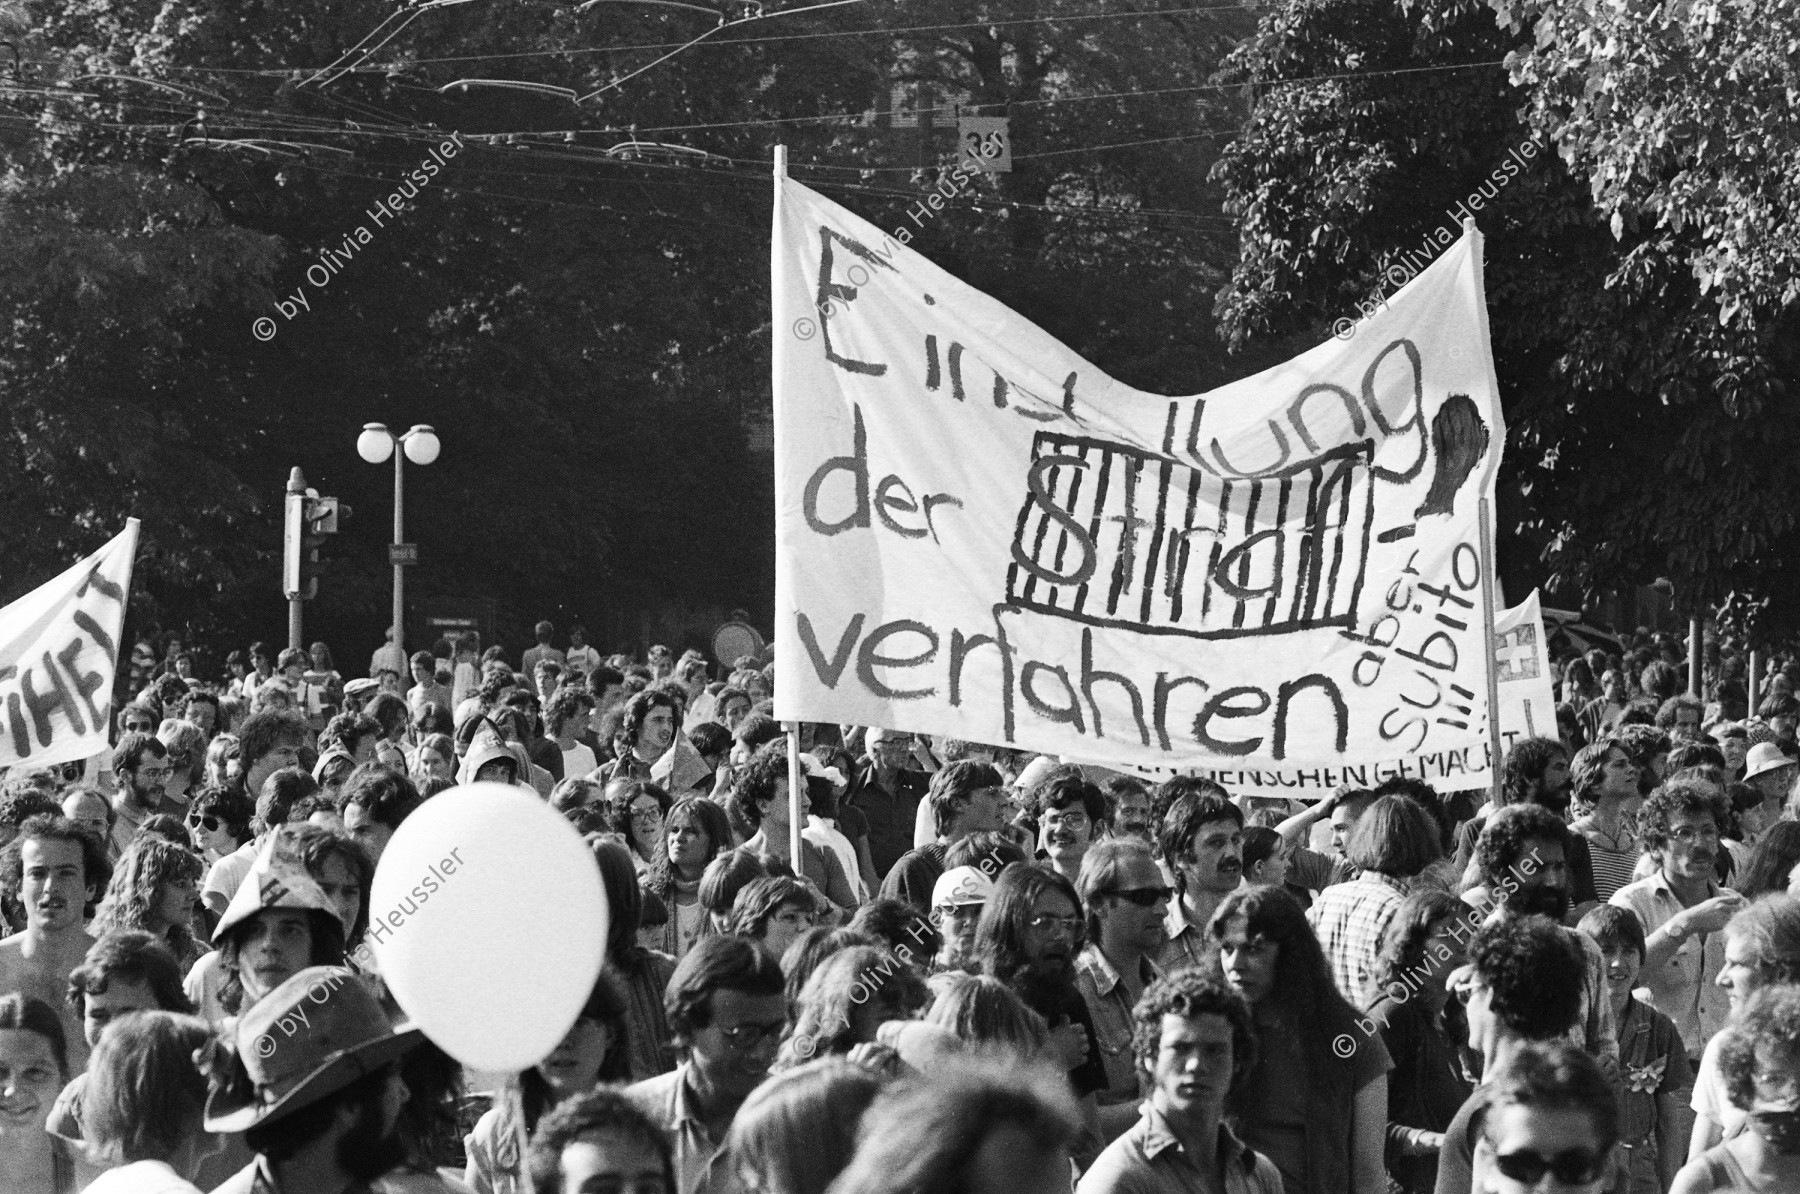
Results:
1126 900
319 1106
1683 908
1536 771
1071 816
1525 872
1130 801
1202 840
57 869
1192 1038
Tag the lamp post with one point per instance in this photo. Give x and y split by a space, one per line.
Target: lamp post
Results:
420 445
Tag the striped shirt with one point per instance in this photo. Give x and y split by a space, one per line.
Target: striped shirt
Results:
1612 868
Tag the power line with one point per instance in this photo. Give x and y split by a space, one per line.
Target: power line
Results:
870 31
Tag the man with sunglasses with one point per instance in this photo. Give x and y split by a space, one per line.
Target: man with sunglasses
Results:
1126 899
726 1008
1549 1122
1522 986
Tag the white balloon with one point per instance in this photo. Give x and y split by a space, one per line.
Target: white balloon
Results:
488 920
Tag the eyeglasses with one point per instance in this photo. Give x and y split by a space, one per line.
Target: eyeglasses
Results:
646 814
1068 926
1577 1167
153 773
748 1036
1143 897
1688 836
210 824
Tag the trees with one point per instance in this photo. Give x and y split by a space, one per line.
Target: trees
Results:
1646 435
588 334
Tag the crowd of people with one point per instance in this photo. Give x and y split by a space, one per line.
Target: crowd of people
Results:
982 970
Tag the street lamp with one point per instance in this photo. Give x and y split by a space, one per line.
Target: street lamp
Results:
420 445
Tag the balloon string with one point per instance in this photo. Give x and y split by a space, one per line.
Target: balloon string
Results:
510 1142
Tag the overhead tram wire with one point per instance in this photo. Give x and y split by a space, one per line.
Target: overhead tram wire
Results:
868 31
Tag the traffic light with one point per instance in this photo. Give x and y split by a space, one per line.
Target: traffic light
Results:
310 518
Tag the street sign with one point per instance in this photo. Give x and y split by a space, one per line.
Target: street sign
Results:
403 555
984 143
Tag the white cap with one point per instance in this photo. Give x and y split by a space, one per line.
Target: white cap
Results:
961 885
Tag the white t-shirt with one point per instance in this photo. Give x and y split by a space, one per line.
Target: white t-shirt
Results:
578 760
142 1177
227 874
830 837
1710 1098
205 980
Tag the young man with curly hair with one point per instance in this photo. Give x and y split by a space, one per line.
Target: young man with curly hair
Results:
1524 868
1682 907
1522 985
1192 1037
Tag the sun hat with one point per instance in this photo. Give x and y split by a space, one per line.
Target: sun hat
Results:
1763 758
312 1036
961 885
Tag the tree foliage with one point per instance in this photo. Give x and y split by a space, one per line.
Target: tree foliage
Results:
1647 436
584 322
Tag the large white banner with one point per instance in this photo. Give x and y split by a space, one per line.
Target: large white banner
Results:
1527 710
59 645
980 534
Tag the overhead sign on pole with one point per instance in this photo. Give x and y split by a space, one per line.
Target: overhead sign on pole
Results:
980 534
59 647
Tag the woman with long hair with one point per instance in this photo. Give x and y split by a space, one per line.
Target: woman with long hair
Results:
809 951
185 743
434 756
642 973
694 832
636 810
1772 862
1578 683
222 763
1316 1110
960 1126
592 1052
34 1054
1420 1025
983 1012
143 1104
797 1131
154 888
851 995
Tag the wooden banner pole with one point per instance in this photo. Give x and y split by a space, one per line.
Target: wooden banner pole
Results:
1489 615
